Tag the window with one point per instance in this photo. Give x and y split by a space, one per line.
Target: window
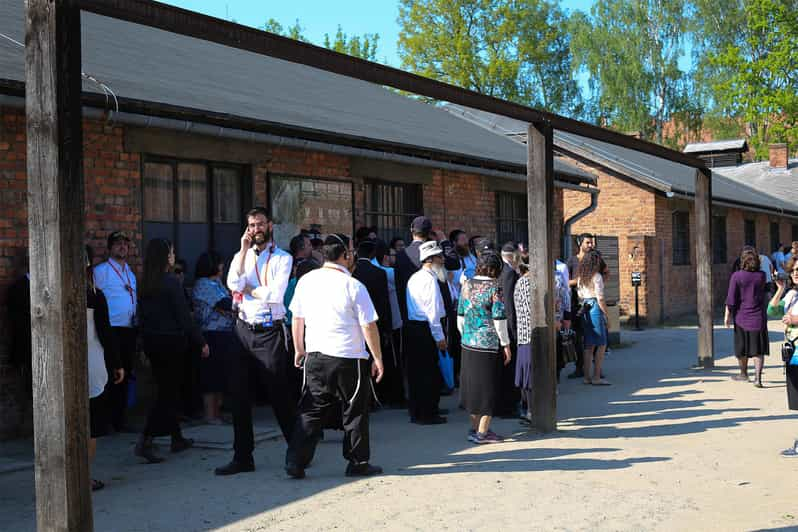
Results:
794 234
511 218
774 236
298 203
750 233
196 205
720 253
681 238
390 207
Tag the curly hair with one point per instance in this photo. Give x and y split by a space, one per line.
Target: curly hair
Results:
749 261
590 265
489 265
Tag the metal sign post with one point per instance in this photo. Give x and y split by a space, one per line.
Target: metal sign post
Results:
637 279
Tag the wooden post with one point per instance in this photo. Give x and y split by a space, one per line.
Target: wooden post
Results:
703 249
540 208
58 284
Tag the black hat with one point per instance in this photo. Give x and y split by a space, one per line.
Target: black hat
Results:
117 235
421 224
484 245
509 247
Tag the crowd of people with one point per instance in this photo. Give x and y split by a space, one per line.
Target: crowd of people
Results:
333 329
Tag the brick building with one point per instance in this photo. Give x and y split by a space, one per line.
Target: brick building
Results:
193 144
647 204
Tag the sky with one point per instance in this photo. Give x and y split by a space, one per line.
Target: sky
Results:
318 17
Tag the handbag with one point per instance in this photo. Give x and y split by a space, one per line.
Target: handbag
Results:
566 338
446 365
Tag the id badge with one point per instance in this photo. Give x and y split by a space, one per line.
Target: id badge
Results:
267 321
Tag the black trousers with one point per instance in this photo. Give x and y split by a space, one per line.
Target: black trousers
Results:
391 389
334 388
424 379
165 353
265 353
117 393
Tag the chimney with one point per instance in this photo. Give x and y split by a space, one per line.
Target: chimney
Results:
778 156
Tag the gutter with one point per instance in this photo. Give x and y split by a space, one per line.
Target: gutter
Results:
566 232
735 205
188 126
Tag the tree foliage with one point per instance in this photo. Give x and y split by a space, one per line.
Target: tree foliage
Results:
364 47
518 50
630 52
749 65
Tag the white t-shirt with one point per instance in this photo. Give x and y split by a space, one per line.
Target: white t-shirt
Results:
595 290
334 306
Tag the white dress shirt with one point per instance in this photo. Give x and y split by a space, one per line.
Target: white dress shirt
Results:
266 296
113 279
334 306
424 301
396 315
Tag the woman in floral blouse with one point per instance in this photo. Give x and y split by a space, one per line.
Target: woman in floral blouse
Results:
482 323
213 311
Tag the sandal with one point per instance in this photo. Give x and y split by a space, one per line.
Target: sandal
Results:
587 381
601 382
97 485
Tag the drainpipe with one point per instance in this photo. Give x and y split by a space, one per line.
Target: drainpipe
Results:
566 237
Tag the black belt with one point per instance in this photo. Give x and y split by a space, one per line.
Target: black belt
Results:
259 327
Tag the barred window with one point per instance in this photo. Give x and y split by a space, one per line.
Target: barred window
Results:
720 254
681 238
750 233
391 207
511 218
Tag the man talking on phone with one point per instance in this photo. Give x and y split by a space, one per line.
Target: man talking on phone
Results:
258 278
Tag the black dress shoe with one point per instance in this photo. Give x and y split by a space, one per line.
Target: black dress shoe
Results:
437 420
234 468
294 471
144 450
178 446
362 470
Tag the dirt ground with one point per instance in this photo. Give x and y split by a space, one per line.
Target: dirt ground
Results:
665 448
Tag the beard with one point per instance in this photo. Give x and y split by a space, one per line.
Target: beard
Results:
261 237
440 272
463 251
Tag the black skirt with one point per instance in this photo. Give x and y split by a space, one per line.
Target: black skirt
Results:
215 370
751 343
792 387
480 381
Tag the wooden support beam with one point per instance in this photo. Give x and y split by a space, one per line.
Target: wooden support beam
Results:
540 208
57 267
185 22
703 254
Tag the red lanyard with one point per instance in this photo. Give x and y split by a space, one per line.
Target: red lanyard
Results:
257 272
128 287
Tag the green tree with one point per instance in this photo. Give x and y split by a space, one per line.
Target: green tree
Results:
630 51
749 66
364 47
517 50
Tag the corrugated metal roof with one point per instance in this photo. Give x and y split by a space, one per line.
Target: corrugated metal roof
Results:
718 145
152 65
660 174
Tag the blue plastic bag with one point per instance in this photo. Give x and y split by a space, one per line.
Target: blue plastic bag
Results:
446 363
131 390
794 359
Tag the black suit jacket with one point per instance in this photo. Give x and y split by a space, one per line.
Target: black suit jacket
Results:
508 278
376 281
18 305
